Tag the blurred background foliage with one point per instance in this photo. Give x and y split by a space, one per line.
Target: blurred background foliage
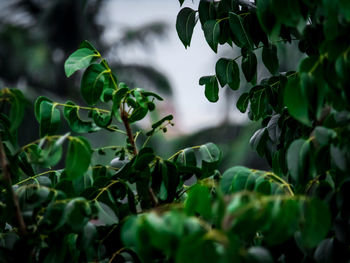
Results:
39 35
36 36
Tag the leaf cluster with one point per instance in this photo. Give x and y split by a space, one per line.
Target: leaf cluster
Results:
142 207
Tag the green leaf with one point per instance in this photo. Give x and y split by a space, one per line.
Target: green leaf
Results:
270 59
283 221
296 102
206 11
340 157
148 94
54 215
159 230
143 159
23 163
234 179
71 114
267 18
315 224
199 201
87 240
102 119
242 102
118 96
37 103
240 178
258 140
131 102
92 83
314 90
52 154
33 196
189 247
49 118
167 228
254 29
227 72
259 104
80 59
88 45
129 231
210 154
161 121
299 162
137 114
187 157
18 104
273 128
140 99
287 12
78 157
211 30
34 153
170 180
109 87
211 88
228 5
293 158
324 136
344 7
77 213
185 22
239 33
105 215
342 65
249 66
263 187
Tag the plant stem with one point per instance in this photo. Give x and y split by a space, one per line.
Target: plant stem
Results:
284 183
124 117
35 176
116 253
154 198
81 107
47 137
105 189
7 178
176 154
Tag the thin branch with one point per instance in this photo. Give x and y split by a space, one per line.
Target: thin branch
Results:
116 253
103 189
81 107
7 178
35 176
124 117
153 197
176 154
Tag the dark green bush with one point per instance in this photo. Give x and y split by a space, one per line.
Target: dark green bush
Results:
138 207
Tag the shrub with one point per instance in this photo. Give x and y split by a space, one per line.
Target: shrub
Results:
138 207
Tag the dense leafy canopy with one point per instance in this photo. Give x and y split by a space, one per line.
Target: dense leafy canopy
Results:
142 207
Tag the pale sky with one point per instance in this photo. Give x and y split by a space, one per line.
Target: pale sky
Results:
183 67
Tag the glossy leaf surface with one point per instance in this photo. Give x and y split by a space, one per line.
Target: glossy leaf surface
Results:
185 22
80 59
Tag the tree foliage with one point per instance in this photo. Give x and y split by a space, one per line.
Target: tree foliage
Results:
140 207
